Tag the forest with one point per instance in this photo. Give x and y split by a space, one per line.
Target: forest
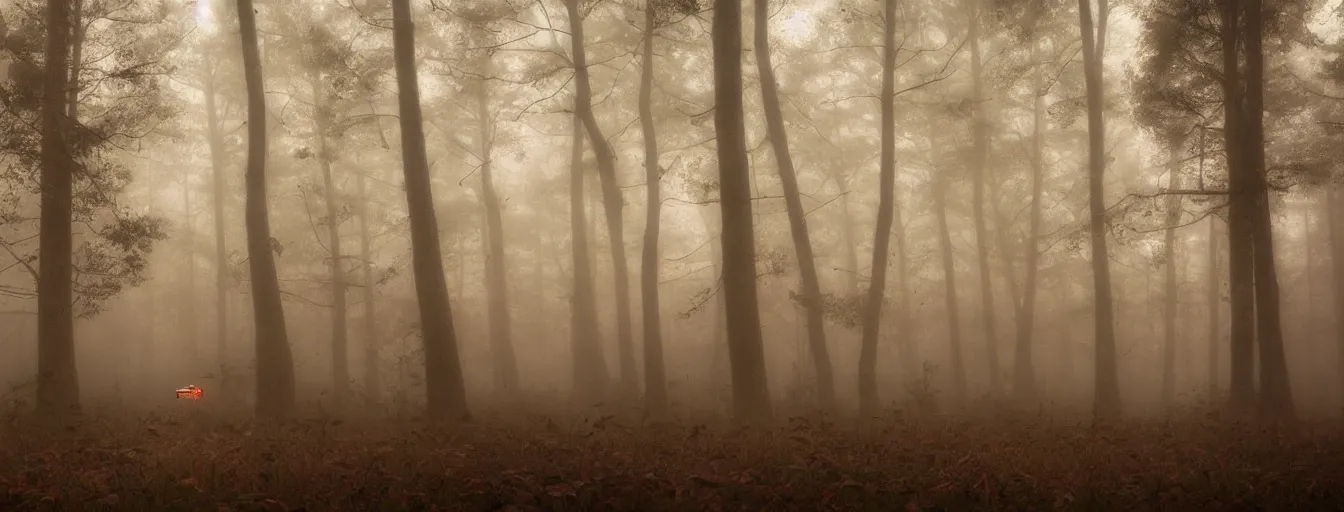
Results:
671 254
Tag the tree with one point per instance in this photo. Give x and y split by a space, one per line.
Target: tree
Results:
980 155
655 379
1240 261
746 351
497 306
275 363
590 366
802 244
445 391
885 207
57 380
612 202
1107 405
1276 396
340 367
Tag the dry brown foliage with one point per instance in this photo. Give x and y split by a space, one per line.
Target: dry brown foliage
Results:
197 459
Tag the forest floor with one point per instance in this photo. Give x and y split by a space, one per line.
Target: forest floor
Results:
186 459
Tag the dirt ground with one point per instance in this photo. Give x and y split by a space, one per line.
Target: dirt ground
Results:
222 460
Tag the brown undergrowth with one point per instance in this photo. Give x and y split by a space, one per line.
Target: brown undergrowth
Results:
198 459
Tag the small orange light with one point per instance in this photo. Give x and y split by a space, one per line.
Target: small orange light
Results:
190 392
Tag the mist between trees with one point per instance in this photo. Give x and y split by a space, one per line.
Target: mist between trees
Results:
676 205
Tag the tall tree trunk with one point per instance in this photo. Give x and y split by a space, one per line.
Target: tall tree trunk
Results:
1213 300
905 317
57 379
655 378
340 361
189 261
1213 284
940 186
1024 373
217 197
590 365
980 133
372 378
872 314
746 351
1241 393
275 362
496 263
1106 375
802 244
1169 303
445 391
847 230
612 201
1276 396
1337 268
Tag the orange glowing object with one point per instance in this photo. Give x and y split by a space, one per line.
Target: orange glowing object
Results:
190 393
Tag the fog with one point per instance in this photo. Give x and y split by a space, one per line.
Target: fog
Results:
988 276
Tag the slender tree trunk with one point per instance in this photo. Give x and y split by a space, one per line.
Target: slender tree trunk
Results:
1213 285
905 318
655 378
372 378
940 185
872 314
811 286
1241 393
746 351
851 243
496 263
980 133
57 380
1107 383
340 361
445 391
1213 300
590 365
217 197
1024 374
189 261
1276 396
612 201
275 362
1169 303
1337 269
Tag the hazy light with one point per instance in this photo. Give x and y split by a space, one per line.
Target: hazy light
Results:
204 18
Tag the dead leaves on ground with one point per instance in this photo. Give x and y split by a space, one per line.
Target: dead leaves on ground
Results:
612 463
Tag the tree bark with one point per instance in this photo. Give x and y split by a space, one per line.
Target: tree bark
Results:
496 266
1276 396
1024 373
872 314
940 185
1241 393
1337 268
655 379
217 197
445 391
340 361
1169 303
980 133
275 362
372 378
612 201
1107 382
802 244
590 365
746 351
57 379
